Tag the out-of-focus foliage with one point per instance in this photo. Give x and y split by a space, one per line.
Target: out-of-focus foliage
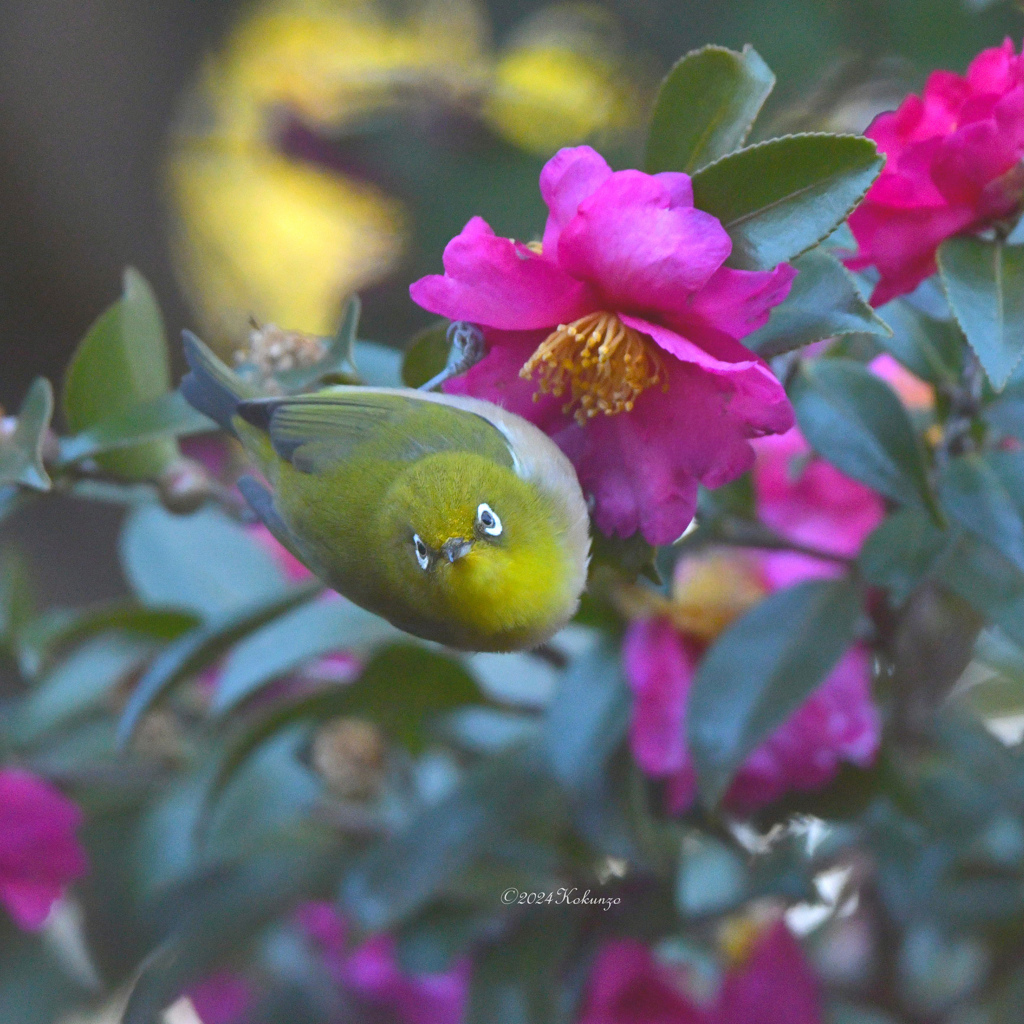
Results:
276 217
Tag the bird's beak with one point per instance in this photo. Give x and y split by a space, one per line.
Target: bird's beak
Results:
455 547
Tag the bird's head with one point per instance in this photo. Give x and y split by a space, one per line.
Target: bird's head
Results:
490 551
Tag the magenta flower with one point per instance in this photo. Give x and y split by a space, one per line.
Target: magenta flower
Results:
809 502
223 998
619 337
39 850
772 984
952 166
371 972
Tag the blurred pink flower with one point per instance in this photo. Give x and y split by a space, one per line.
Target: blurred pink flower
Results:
371 972
952 165
772 984
223 998
39 850
807 501
914 393
619 337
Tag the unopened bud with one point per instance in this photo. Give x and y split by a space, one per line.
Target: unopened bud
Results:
184 487
349 755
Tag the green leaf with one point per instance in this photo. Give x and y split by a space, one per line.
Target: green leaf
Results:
378 365
401 688
338 364
857 423
394 878
426 356
705 108
992 584
984 282
201 647
169 415
587 718
77 684
711 879
781 197
761 670
204 562
122 362
21 453
823 303
902 552
516 978
930 348
290 641
985 494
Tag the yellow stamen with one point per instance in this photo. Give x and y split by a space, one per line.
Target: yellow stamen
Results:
710 592
603 364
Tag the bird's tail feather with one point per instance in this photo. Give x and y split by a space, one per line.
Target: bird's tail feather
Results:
211 387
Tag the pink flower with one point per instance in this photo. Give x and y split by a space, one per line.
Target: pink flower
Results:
916 394
951 167
807 501
619 337
772 984
371 972
223 998
39 851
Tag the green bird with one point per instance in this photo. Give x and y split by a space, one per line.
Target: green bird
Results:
452 518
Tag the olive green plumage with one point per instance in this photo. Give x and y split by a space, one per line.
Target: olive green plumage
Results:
450 517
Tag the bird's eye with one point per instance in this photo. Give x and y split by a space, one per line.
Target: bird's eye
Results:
422 554
488 521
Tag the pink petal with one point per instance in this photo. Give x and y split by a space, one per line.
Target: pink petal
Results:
496 379
497 282
994 70
659 669
739 302
39 851
774 986
634 242
223 998
806 500
567 179
628 986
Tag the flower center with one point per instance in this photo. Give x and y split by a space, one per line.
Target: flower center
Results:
602 364
710 593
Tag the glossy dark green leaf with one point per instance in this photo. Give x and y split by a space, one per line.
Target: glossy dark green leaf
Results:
760 670
120 363
201 647
931 348
984 282
168 415
985 494
988 581
204 562
401 688
779 198
393 879
902 552
426 356
705 108
823 303
17 600
21 452
291 641
857 423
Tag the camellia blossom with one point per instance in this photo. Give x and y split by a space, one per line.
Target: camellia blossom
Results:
952 165
618 335
371 972
771 983
810 503
39 849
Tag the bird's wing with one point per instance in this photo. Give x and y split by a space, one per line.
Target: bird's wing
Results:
317 431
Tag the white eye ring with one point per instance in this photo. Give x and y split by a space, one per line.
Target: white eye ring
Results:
487 519
422 554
